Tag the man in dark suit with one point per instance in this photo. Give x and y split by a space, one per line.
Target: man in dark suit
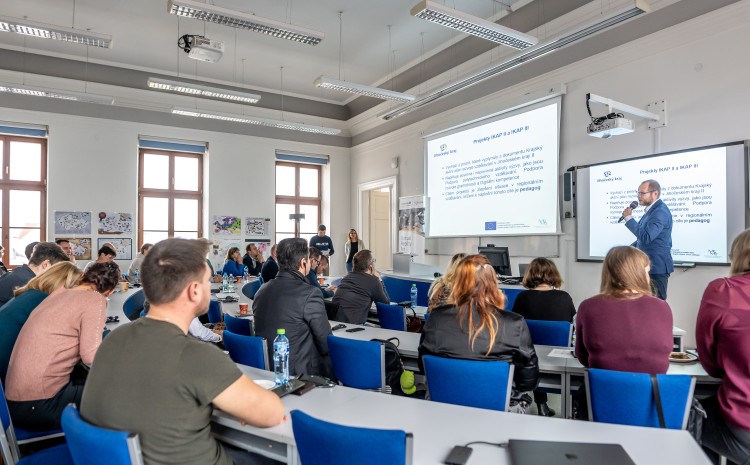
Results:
291 303
270 267
653 235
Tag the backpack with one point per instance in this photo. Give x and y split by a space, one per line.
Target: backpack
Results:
394 367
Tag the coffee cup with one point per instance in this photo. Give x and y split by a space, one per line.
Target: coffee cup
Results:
244 309
123 286
321 280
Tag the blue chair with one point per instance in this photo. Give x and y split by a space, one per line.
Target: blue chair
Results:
236 325
550 333
322 443
92 445
133 305
9 441
251 288
358 364
472 383
247 350
391 316
399 289
627 398
214 311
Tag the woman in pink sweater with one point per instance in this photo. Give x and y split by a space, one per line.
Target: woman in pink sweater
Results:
65 329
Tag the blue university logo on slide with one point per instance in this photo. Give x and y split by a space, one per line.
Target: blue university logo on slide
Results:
490 225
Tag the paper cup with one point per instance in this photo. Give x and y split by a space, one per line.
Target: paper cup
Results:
244 309
123 286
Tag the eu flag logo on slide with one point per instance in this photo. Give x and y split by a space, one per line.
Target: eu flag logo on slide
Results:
490 225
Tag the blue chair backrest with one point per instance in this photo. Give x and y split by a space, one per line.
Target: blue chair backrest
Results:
251 288
391 316
472 383
238 325
8 445
510 296
358 364
214 311
134 304
247 350
627 398
399 290
321 442
550 333
91 445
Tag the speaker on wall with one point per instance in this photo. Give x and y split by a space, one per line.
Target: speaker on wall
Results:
569 194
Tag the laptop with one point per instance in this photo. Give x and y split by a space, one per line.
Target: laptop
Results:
522 267
524 452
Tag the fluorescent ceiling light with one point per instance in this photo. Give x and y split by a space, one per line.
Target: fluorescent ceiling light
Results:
48 31
58 94
254 120
360 89
202 91
227 17
617 16
464 22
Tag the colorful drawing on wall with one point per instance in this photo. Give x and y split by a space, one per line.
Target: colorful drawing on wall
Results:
222 225
218 252
72 222
115 223
81 246
123 246
257 227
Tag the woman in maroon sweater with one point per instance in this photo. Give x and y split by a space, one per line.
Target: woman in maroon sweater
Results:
721 334
624 328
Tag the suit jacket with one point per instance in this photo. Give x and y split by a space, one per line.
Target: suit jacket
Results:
291 303
253 265
269 269
654 237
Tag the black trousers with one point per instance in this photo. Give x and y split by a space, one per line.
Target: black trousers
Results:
721 437
659 285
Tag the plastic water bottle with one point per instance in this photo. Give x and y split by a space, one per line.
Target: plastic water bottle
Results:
245 275
413 294
230 287
280 358
224 283
137 277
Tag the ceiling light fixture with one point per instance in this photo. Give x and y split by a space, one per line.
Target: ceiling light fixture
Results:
360 89
201 91
19 89
227 17
254 120
634 8
464 22
48 31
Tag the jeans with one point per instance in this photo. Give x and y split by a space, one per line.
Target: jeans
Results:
659 285
349 267
722 437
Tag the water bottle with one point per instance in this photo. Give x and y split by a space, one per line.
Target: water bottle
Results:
280 358
137 277
224 283
413 294
230 287
245 275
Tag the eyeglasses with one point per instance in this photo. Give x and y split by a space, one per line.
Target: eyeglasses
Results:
644 193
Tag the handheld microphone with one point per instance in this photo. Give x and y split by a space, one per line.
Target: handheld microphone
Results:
632 205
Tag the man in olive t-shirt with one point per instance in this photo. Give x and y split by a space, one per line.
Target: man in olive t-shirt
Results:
149 377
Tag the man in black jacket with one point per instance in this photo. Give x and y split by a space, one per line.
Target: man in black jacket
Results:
270 267
253 259
359 289
289 302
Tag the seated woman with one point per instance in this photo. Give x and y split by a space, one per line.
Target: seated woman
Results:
724 349
440 289
544 301
14 314
624 328
233 263
65 329
473 326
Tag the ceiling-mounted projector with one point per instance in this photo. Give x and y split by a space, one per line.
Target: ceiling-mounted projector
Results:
201 48
610 127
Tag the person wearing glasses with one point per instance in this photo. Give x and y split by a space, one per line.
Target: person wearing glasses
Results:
653 234
312 275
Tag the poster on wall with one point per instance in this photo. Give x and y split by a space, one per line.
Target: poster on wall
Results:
123 246
219 249
224 225
411 226
81 246
115 223
257 227
72 222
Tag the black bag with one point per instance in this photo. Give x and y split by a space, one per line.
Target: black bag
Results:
394 367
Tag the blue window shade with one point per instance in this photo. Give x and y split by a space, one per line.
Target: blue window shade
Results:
27 131
302 158
171 146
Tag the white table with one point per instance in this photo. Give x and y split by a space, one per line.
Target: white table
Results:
438 427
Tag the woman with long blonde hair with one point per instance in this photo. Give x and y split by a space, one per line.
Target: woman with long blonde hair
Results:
440 289
473 325
353 245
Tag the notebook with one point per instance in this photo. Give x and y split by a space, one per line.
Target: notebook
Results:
523 452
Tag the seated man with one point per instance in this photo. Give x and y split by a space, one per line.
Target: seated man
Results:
106 254
359 289
45 255
253 259
312 276
270 267
289 302
151 378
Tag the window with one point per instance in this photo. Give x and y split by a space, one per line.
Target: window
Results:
170 195
23 195
297 191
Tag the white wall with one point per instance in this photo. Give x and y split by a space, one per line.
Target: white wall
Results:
689 65
93 167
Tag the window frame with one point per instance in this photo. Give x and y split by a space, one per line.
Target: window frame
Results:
296 199
170 193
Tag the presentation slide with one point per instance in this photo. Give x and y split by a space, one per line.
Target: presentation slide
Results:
496 178
703 189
